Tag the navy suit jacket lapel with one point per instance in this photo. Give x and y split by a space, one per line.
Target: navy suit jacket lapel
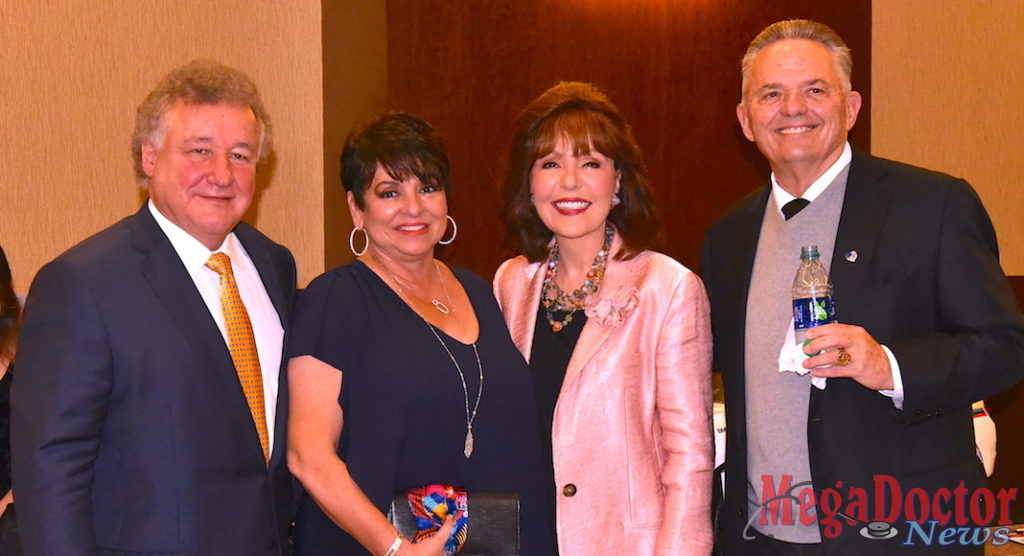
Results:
746 232
256 247
860 225
171 282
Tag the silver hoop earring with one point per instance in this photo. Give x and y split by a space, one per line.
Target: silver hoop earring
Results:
616 200
455 231
352 242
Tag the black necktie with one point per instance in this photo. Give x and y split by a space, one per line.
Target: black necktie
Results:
796 205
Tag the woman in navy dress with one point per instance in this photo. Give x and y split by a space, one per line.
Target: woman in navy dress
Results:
402 373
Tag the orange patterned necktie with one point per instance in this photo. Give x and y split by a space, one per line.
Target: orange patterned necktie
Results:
242 344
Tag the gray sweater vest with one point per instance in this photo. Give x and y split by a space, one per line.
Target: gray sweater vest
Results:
776 402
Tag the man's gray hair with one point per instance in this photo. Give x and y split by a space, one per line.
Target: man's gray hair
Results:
200 82
800 29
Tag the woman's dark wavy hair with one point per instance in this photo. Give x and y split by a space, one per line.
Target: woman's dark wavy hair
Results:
10 310
584 115
402 144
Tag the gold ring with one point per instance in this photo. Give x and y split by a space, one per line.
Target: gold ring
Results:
844 358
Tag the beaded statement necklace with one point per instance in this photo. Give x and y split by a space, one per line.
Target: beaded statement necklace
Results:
449 308
554 299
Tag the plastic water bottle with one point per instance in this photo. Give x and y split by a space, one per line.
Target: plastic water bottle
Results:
812 294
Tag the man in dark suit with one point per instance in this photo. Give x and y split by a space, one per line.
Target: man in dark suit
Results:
927 324
149 410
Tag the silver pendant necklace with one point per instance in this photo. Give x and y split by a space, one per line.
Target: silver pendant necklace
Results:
437 303
470 415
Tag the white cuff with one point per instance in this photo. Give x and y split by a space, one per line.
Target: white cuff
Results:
897 381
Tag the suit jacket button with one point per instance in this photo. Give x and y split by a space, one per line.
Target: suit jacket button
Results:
569 490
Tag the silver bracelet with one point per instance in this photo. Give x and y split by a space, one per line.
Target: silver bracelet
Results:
394 546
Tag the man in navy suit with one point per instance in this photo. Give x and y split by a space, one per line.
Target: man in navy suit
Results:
926 325
132 430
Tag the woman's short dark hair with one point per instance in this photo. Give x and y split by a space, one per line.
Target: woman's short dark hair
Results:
402 144
588 119
10 310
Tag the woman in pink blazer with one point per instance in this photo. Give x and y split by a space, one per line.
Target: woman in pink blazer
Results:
617 336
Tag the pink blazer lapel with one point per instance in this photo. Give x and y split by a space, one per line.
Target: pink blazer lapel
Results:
594 333
522 315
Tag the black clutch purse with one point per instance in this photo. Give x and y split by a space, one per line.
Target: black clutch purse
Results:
493 528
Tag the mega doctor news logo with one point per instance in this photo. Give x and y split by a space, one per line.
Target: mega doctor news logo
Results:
957 516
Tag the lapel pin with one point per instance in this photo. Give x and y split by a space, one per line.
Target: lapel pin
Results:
851 256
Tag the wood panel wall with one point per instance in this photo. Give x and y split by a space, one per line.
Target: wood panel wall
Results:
672 67
355 88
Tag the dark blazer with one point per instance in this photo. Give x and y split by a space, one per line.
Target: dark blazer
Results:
131 432
927 283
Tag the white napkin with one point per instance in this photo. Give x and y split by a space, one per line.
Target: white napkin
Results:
985 438
718 420
792 356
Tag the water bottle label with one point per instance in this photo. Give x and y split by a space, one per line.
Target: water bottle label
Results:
809 312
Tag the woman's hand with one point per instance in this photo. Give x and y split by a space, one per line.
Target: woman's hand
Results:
433 546
7 500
